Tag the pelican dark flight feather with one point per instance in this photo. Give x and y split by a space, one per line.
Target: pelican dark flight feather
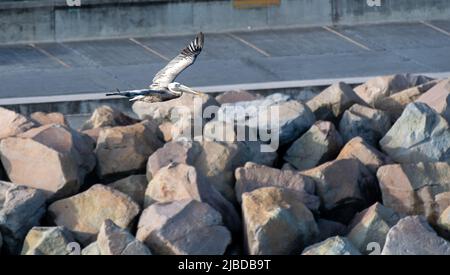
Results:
163 87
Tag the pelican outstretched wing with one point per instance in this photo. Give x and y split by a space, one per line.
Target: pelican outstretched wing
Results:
180 62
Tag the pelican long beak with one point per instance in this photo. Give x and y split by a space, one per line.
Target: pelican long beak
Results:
186 89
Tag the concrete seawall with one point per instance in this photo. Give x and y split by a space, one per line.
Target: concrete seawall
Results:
54 20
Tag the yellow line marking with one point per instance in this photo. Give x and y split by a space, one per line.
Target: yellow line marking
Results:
49 55
346 38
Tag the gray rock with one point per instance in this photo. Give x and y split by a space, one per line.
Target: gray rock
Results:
181 181
92 249
371 225
47 241
276 222
332 246
319 144
134 186
333 101
113 240
368 123
253 176
414 236
416 188
21 208
420 134
185 227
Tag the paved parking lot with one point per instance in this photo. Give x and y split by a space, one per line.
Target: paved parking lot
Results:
229 58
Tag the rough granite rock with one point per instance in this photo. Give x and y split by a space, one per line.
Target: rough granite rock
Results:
254 176
134 186
236 96
328 228
332 246
185 227
219 131
49 118
333 101
13 123
21 208
107 116
52 157
420 134
113 240
84 213
125 149
396 103
416 189
371 225
368 123
270 210
47 241
438 98
181 181
342 183
376 89
414 236
371 158
92 249
319 144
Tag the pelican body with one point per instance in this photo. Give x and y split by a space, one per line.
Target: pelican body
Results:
163 87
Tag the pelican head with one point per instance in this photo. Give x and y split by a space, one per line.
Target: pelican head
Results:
178 89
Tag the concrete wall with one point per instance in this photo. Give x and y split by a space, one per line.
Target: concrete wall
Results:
53 20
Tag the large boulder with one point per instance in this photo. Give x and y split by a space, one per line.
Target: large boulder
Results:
21 208
333 101
92 249
254 176
276 222
53 158
113 240
438 98
416 188
237 96
47 241
13 123
84 213
181 181
376 89
328 228
368 155
344 187
332 246
395 104
134 186
125 149
368 123
107 116
185 227
214 161
319 144
414 236
420 134
444 222
371 225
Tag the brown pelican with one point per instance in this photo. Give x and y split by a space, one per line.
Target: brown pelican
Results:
163 88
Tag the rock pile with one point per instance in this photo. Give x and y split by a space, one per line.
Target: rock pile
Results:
349 171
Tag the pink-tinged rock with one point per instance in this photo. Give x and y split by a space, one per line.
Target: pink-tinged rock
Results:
185 227
416 188
236 96
13 123
438 98
49 118
52 157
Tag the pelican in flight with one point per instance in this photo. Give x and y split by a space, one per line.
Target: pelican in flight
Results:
163 87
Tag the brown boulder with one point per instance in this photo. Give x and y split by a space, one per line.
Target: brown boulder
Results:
134 186
276 222
49 118
438 98
84 213
107 116
125 149
13 123
254 176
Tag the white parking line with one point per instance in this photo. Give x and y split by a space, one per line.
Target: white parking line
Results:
147 48
49 55
436 28
261 51
347 38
